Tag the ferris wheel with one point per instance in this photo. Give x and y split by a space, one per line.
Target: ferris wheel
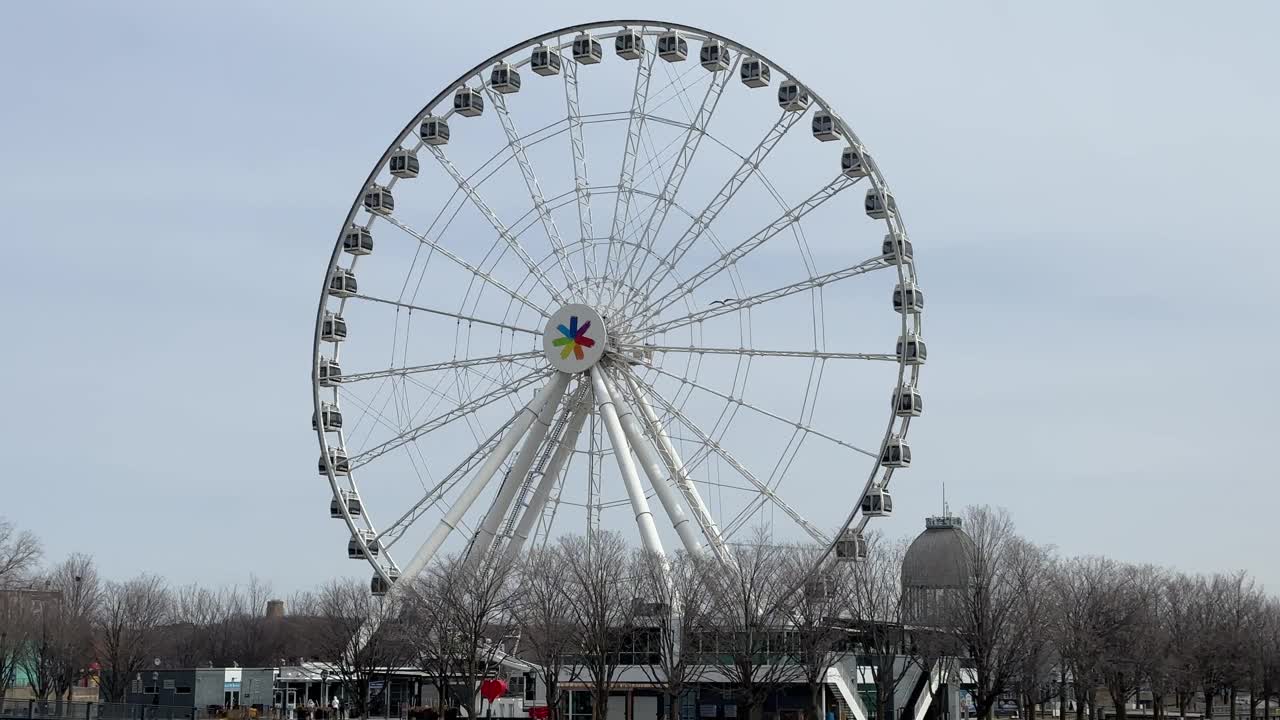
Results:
625 275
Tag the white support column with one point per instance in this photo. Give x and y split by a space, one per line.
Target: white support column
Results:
653 467
546 483
515 476
668 451
524 418
622 452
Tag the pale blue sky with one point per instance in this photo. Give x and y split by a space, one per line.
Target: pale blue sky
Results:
1090 188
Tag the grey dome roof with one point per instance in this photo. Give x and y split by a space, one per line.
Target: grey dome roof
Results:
938 557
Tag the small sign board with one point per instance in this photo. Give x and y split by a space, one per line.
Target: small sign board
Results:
169 684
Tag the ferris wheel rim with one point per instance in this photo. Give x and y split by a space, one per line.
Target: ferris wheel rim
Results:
905 270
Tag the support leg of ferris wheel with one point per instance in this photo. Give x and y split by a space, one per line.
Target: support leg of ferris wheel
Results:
492 522
524 418
653 467
622 452
676 466
546 484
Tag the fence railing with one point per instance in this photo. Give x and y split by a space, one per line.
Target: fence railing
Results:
53 710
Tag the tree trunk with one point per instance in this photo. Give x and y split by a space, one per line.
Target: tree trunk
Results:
815 702
1208 704
1062 691
1232 697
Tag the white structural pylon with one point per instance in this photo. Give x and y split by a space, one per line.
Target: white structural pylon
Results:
676 466
659 477
622 452
524 418
546 483
515 476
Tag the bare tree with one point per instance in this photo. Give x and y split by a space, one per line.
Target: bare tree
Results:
360 637
457 607
600 606
19 554
669 611
1181 600
127 630
987 616
749 610
1035 678
544 617
60 641
814 616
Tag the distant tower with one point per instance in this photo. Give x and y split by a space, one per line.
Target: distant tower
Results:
275 609
936 563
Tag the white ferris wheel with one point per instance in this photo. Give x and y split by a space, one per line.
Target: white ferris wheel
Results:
620 275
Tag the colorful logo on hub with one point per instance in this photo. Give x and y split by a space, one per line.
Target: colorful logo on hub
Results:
574 340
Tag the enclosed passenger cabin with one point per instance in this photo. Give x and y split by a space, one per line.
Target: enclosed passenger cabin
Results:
404 164
793 97
504 78
353 505
333 328
851 547
907 401
434 131
378 200
896 453
672 47
331 416
379 587
912 349
468 102
357 240
337 460
587 50
629 44
545 61
754 73
329 372
343 283
877 503
908 298
879 205
714 55
852 164
356 552
896 248
824 126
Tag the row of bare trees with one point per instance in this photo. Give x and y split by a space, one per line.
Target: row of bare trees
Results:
1025 622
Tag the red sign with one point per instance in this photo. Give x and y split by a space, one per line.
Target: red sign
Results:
541 712
492 689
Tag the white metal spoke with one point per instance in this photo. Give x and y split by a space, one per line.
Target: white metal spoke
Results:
671 188
749 167
736 304
626 466
742 249
531 183
489 215
446 365
523 419
622 202
446 313
437 247
514 480
741 469
582 193
802 427
753 352
462 410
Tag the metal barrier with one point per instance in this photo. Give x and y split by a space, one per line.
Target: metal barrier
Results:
55 710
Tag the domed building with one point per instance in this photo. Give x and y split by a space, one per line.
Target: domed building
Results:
936 564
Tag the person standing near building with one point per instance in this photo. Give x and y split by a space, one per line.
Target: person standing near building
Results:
336 705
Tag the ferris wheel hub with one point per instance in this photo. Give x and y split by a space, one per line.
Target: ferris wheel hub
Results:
575 338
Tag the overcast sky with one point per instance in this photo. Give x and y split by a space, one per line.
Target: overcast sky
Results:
1090 186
